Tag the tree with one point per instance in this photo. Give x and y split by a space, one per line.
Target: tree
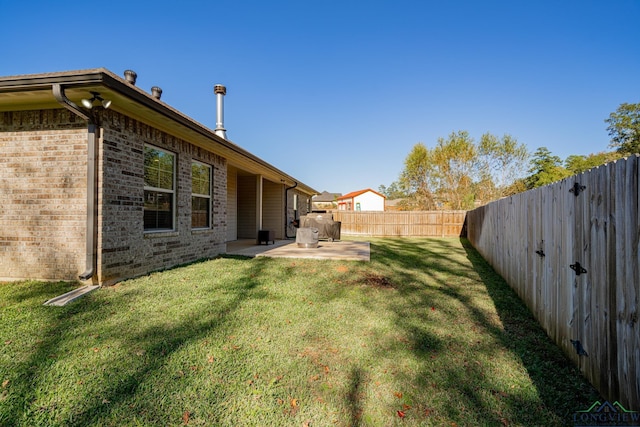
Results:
455 162
393 191
416 177
545 169
502 164
457 172
517 186
579 163
624 129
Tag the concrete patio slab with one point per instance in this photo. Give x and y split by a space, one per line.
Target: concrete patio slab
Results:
339 250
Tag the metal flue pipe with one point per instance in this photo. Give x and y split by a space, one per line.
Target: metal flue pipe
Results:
220 92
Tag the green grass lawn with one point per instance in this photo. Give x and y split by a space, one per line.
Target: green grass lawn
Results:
424 334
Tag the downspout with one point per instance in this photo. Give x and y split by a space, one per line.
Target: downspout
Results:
286 210
92 182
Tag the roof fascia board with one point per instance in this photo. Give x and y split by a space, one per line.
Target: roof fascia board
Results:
44 81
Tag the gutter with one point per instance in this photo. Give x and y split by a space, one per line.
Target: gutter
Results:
286 209
92 182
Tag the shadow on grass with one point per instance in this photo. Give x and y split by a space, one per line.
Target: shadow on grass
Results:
158 340
559 383
35 290
445 275
354 397
455 272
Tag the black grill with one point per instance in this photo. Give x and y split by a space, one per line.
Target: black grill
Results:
328 229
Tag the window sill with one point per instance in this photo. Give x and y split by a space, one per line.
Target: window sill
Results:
160 233
201 230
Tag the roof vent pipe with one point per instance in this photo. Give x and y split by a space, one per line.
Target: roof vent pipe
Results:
156 92
220 92
130 76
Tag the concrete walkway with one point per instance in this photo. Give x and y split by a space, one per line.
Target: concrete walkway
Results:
341 250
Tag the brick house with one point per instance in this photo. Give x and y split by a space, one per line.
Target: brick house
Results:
103 194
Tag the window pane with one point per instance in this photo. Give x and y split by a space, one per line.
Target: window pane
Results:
158 168
158 210
200 212
200 179
201 195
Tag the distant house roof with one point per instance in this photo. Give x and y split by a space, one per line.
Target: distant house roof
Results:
359 192
325 196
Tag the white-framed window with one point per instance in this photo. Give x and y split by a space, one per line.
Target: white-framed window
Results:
200 195
159 189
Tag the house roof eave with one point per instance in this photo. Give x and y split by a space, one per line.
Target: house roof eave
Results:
34 92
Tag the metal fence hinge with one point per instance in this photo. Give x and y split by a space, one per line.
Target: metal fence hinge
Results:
578 268
579 349
577 188
540 252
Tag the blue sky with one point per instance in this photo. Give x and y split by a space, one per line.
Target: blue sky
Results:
336 93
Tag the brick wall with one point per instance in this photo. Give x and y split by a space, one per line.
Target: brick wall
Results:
43 167
43 173
126 250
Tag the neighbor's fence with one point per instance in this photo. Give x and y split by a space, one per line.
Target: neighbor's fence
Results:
570 250
402 224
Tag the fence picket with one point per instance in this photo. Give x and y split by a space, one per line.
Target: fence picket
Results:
401 224
600 229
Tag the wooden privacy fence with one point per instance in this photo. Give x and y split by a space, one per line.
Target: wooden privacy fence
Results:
403 224
570 250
